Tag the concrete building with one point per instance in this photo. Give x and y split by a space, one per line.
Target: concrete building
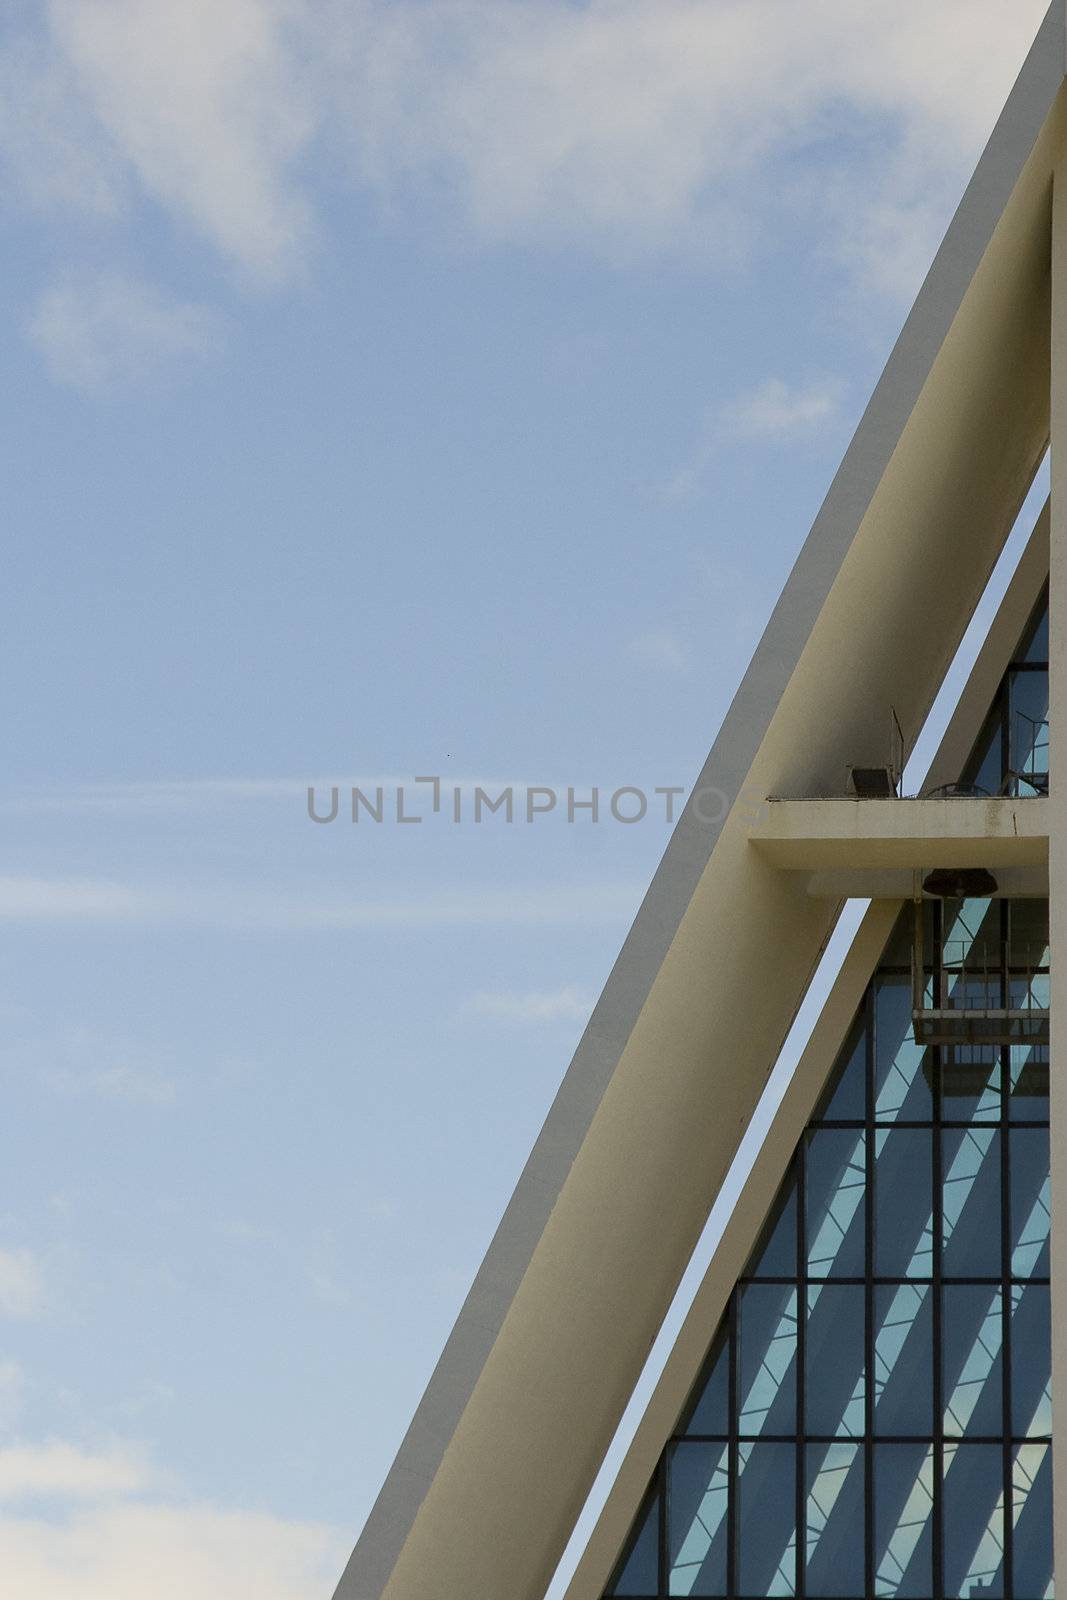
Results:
866 1397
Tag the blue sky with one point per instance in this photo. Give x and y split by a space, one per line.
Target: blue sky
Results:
391 390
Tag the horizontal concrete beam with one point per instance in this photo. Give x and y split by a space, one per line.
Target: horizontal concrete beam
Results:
898 883
809 835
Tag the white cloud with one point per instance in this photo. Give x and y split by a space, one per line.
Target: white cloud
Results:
62 1471
130 1551
87 900
670 124
208 105
616 125
659 648
530 1008
12 1391
111 1534
120 1080
21 1284
774 409
110 332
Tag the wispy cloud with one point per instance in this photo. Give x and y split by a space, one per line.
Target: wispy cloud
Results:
107 1531
22 1284
530 1008
80 1063
118 1081
112 332
165 797
58 1470
88 900
773 410
663 125
12 1392
129 1551
659 648
209 106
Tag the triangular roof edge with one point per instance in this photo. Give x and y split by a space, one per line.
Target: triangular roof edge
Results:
785 1128
593 1067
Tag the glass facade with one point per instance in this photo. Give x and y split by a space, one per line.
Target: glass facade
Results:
873 1418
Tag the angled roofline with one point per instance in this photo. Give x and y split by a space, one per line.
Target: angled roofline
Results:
423 1494
786 1126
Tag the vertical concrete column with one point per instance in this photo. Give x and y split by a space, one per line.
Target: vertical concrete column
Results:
1058 860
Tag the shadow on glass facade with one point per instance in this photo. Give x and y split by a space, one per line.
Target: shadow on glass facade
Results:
873 1418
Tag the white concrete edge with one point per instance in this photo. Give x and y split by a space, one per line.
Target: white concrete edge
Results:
739 1236
693 840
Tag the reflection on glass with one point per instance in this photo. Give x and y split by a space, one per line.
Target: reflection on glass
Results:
903 1358
1028 934
901 1088
1031 1483
1036 649
639 1573
1028 732
1029 1083
903 1531
881 1335
987 763
973 1531
835 1184
776 1254
834 1519
834 1388
903 1218
972 1338
846 1098
1031 1361
970 1083
697 1482
1029 1202
971 1203
711 1411
767 1320
971 941
766 1523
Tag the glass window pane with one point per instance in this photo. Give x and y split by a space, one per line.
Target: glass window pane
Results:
776 1254
767 1351
710 1411
1028 933
1028 726
835 1185
1031 1362
973 1533
1029 1083
971 1202
834 1524
903 1359
903 1216
766 1519
697 1484
903 1520
1037 647
985 768
1032 1514
970 1083
1028 1151
970 943
972 1358
639 1571
834 1389
846 1097
901 1087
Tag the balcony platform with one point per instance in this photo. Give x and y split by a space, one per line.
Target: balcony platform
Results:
873 848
